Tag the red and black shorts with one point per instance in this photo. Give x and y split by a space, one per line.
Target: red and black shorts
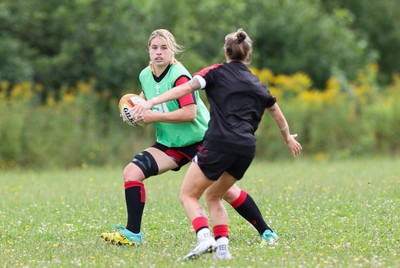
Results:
181 155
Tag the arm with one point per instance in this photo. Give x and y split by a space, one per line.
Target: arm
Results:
184 114
172 94
290 139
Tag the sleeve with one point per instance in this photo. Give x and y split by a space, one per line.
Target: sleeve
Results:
187 99
271 100
204 75
203 72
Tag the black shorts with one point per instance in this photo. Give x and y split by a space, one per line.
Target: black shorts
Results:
214 163
181 155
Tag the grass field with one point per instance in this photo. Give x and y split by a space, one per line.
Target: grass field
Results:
327 214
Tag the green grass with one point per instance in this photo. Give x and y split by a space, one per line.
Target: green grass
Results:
327 214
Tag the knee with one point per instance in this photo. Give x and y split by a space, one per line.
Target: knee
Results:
142 166
189 196
231 195
182 198
132 173
145 164
212 197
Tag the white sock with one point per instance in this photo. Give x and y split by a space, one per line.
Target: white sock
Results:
222 244
203 234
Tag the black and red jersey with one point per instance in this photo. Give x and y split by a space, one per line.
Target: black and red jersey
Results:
237 103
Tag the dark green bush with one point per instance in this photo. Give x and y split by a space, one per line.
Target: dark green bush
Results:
59 42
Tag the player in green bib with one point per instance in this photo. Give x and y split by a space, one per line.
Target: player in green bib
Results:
171 134
180 128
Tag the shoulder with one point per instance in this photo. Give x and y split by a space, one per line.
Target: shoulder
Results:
178 67
206 70
145 71
179 70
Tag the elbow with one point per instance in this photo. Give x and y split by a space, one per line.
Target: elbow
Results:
189 113
191 117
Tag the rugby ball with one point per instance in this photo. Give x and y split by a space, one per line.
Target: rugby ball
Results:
126 103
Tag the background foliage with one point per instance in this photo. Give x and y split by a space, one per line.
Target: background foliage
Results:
64 64
59 42
379 22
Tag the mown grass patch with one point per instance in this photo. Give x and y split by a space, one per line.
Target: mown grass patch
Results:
330 214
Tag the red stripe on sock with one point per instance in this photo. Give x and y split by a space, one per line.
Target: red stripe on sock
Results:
130 184
240 199
221 231
199 223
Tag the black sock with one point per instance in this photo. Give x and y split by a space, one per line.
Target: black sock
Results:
250 211
135 206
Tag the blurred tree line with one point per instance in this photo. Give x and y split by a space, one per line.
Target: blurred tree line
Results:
58 43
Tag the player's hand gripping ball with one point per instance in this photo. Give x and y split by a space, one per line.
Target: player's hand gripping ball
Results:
126 103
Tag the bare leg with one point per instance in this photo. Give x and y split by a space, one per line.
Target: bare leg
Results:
193 186
214 196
